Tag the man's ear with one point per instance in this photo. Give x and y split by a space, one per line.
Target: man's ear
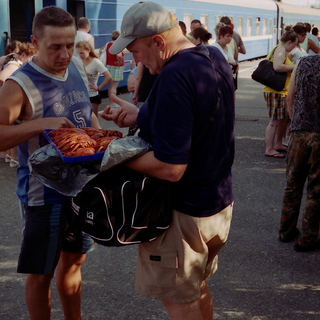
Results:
159 41
35 42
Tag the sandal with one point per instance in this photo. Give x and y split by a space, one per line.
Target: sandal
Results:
7 158
14 163
276 155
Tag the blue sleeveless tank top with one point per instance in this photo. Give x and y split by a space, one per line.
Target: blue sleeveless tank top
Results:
49 96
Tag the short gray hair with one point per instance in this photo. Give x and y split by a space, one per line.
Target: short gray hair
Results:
217 29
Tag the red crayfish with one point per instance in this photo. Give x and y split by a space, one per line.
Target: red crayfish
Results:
73 142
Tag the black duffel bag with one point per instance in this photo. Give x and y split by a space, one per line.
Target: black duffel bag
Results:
121 207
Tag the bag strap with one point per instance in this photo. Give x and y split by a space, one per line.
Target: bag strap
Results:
204 132
273 51
196 143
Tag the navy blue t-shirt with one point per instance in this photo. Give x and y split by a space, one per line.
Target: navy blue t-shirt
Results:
176 112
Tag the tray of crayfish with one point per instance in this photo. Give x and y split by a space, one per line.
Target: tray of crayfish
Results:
81 144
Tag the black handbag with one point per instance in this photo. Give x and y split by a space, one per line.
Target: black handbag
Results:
266 75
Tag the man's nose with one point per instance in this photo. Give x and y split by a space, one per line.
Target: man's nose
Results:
64 53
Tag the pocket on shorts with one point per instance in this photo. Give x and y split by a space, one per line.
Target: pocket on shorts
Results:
158 269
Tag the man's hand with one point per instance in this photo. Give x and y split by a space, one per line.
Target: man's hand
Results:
123 116
11 136
135 99
54 123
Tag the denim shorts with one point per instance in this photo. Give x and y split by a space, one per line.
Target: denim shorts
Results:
45 236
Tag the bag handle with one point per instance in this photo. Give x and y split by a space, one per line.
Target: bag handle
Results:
196 143
273 51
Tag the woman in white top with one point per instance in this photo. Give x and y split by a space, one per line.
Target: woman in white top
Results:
298 52
93 67
225 37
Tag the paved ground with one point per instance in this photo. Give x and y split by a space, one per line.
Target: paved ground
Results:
258 278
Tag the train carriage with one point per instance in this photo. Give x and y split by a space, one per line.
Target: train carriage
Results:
258 22
290 15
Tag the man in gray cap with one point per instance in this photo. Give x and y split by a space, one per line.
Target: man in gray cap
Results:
174 267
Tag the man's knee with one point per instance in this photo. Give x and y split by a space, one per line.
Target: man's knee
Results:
183 311
40 279
68 259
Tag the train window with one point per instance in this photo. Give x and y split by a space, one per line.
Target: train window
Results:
265 26
249 27
204 18
271 27
187 18
240 26
257 26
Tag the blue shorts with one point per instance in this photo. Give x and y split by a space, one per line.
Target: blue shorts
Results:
45 236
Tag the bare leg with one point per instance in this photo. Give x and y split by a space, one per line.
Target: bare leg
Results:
184 311
206 304
280 133
3 154
14 157
113 85
270 135
68 278
14 153
95 107
271 131
38 296
200 309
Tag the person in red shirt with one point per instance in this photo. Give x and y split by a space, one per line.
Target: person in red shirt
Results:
115 63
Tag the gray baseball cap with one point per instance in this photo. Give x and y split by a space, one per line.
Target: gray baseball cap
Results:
143 19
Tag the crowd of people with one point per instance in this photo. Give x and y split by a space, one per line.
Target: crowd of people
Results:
294 112
173 73
16 54
296 42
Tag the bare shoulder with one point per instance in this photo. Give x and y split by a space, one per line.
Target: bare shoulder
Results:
280 52
280 49
14 100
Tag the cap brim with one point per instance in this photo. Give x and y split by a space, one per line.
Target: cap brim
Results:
120 44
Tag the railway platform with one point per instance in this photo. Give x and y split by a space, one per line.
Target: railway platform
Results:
258 278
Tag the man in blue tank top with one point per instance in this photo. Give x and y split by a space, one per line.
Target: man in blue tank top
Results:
174 267
48 92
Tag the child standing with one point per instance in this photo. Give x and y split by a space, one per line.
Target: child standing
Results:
93 67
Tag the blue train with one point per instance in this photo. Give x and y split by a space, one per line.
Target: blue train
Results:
258 22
